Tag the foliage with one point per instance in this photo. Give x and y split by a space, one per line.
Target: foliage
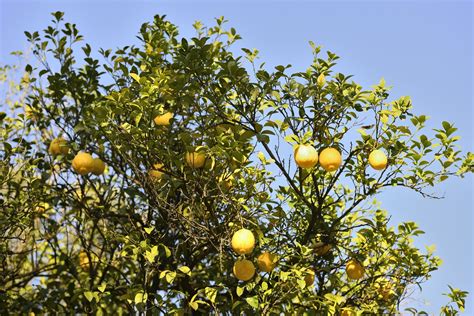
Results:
124 242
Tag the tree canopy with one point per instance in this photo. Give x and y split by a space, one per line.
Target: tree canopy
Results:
228 188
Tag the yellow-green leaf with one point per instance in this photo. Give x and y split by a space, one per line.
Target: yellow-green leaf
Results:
185 270
89 296
135 77
240 291
151 255
141 297
148 230
170 276
211 293
194 305
252 301
102 287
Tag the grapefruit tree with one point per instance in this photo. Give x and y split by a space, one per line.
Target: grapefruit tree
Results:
176 176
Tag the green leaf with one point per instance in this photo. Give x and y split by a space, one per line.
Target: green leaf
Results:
58 15
102 287
276 95
301 283
135 77
194 305
382 83
140 297
151 255
252 301
89 296
148 230
263 138
362 131
446 125
185 270
284 276
292 139
138 117
170 276
321 80
240 291
211 293
163 273
167 251
335 298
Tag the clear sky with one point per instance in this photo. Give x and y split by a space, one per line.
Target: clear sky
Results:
424 49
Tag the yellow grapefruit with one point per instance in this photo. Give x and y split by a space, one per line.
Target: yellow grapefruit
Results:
243 241
244 269
195 159
98 166
378 159
347 312
309 277
322 249
354 270
330 159
386 291
306 156
83 163
155 173
84 261
163 119
225 182
58 146
266 262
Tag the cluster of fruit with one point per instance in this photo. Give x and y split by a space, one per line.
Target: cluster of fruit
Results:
306 156
83 163
243 243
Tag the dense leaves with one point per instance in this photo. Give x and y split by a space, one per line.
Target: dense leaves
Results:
152 234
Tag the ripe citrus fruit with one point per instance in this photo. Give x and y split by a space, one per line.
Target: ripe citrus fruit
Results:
322 249
306 156
82 163
84 260
225 182
243 241
378 159
58 146
266 262
330 159
98 166
385 291
155 173
195 159
309 277
163 119
244 269
347 312
354 270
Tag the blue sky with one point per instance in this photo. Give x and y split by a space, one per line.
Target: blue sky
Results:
423 49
